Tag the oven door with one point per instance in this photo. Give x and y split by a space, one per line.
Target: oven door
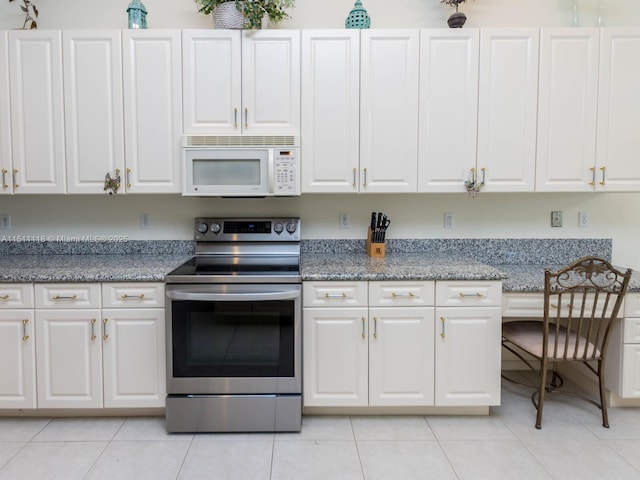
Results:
233 339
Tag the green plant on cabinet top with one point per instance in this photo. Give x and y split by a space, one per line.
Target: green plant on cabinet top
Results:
253 11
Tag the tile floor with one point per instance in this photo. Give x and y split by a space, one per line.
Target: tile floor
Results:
503 445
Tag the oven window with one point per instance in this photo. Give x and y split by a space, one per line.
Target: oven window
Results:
233 339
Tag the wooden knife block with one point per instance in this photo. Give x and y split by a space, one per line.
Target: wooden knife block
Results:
375 250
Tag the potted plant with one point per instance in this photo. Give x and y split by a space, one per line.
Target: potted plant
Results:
31 13
457 19
251 14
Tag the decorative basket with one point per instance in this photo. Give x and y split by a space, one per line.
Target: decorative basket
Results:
227 15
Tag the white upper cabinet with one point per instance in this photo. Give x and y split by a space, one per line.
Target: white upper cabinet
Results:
389 110
567 109
37 116
448 108
507 109
93 108
6 165
241 82
330 110
152 110
618 139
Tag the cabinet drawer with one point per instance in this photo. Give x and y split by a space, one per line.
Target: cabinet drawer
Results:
523 305
67 295
631 330
388 294
116 295
16 295
632 305
473 293
334 294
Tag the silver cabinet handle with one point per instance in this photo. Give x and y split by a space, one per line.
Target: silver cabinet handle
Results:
442 327
364 323
124 296
365 178
127 178
603 182
235 117
484 174
375 327
25 337
354 178
398 295
4 178
473 294
246 117
335 295
105 336
593 176
93 329
15 178
62 297
4 297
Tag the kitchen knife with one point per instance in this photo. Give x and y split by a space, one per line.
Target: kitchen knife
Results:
373 221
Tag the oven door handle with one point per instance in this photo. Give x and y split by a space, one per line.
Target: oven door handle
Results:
230 297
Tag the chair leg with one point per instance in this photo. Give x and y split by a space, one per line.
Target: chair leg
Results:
543 384
603 402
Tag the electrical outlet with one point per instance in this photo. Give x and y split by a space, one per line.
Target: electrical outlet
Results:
449 220
556 218
5 221
145 221
583 219
344 220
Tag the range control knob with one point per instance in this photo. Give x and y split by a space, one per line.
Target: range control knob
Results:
215 228
291 227
278 228
202 228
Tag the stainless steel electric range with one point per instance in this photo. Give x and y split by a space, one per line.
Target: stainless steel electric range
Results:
233 329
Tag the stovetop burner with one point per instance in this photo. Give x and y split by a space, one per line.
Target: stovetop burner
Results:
233 250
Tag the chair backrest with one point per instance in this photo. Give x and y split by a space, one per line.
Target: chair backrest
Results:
582 302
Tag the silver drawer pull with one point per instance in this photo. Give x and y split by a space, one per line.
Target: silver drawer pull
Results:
61 297
93 329
124 296
25 337
105 335
442 334
398 295
364 323
335 295
4 297
476 294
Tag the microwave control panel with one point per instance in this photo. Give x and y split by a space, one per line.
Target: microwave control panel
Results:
285 172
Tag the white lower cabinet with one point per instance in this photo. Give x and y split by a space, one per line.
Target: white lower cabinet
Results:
76 354
622 367
380 344
17 347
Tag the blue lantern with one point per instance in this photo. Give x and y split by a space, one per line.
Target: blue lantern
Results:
358 17
137 14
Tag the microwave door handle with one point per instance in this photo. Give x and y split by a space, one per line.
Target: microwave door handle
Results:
271 172
232 297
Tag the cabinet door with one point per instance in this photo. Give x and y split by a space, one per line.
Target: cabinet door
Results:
448 108
467 352
389 110
152 110
271 82
69 358
335 358
401 353
211 75
6 165
631 371
17 359
133 354
507 109
618 140
93 108
37 116
330 110
567 108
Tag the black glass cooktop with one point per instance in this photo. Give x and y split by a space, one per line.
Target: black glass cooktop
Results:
228 265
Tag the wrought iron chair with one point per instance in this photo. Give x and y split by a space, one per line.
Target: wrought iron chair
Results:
581 305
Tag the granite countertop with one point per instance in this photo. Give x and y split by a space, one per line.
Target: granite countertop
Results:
88 268
395 266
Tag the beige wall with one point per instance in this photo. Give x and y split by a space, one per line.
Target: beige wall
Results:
614 216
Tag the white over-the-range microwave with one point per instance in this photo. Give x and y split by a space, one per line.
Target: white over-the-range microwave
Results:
241 166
